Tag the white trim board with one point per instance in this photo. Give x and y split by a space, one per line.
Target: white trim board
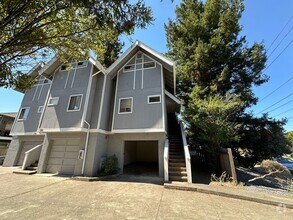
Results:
142 130
174 98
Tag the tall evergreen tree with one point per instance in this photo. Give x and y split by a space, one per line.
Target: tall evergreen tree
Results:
215 68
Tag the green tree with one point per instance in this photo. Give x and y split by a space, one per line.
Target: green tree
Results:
213 60
69 28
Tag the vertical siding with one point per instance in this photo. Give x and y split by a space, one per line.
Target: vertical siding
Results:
65 84
32 99
144 115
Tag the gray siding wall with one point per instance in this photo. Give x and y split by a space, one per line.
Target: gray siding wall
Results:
95 100
107 111
32 99
144 115
65 84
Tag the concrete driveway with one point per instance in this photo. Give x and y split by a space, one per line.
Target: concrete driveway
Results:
48 197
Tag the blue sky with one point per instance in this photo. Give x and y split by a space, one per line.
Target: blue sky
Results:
262 20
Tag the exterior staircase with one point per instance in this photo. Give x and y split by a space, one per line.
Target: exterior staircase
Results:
177 166
32 169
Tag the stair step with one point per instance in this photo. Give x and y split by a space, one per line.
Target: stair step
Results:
25 172
177 160
178 178
31 168
176 173
172 164
34 164
176 156
178 169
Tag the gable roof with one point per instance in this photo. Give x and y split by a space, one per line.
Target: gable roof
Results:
139 46
55 62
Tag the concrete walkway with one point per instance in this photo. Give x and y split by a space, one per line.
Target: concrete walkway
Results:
49 197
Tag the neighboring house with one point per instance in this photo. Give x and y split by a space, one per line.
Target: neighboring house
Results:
6 121
79 114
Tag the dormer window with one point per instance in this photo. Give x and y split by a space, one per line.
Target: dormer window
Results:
139 62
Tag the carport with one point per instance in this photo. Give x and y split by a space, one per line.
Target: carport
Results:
141 158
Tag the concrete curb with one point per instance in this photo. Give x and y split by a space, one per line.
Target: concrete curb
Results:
229 195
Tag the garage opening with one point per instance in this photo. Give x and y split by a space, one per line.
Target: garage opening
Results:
141 158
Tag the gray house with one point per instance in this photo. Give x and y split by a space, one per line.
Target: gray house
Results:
80 113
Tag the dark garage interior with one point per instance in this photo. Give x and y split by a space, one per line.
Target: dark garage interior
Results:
141 158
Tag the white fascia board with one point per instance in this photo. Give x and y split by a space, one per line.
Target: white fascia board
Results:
144 130
51 62
97 64
174 98
156 53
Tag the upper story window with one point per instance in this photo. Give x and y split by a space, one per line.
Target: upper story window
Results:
53 101
74 103
23 114
74 65
149 64
125 105
154 99
129 68
139 62
81 64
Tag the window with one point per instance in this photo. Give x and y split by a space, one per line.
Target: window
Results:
128 68
125 105
64 67
40 109
81 64
23 113
53 101
45 81
74 103
149 64
154 99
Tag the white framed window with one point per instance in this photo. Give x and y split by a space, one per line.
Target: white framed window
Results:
128 68
74 103
150 64
125 105
64 67
153 99
23 114
81 64
40 109
53 101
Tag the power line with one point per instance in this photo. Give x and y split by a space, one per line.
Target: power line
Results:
283 113
280 32
282 105
280 42
276 89
278 56
276 103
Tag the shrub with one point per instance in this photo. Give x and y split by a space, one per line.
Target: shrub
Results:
110 167
271 166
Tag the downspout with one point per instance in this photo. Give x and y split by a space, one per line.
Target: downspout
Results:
88 125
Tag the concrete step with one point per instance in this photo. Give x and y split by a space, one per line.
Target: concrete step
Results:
25 172
31 168
34 164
